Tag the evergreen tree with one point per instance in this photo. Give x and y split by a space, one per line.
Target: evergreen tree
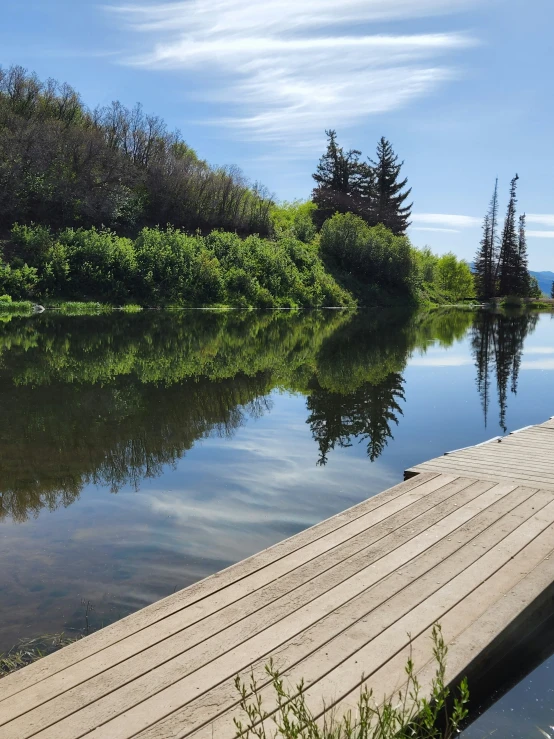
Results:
552 291
339 180
487 256
509 247
522 282
386 192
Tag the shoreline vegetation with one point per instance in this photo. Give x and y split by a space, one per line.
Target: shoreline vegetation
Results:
107 205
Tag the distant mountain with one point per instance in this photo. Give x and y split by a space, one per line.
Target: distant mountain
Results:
545 279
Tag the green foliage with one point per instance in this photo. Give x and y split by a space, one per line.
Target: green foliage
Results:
31 650
170 267
83 309
411 714
18 282
373 189
100 264
294 219
374 255
62 164
427 264
534 290
14 307
455 276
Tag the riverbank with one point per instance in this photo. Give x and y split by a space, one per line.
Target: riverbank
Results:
346 265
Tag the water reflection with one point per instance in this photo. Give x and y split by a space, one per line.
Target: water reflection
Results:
116 400
497 343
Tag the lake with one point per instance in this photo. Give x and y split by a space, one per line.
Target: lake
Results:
140 453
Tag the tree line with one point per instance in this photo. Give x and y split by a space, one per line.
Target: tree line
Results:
501 265
93 184
63 164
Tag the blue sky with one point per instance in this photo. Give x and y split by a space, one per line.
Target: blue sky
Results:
463 89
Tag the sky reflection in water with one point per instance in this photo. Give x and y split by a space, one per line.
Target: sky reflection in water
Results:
141 453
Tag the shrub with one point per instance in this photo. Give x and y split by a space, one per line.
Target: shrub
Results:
409 714
32 244
294 219
170 267
100 263
19 283
374 255
455 276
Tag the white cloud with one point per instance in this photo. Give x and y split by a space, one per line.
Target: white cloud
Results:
540 219
446 220
298 67
538 364
440 361
433 228
541 234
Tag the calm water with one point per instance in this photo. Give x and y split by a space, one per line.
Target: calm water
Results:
141 453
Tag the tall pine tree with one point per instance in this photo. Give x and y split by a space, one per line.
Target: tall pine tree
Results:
338 180
386 192
487 256
522 278
509 248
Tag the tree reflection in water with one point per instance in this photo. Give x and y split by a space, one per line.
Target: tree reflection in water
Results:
497 343
112 400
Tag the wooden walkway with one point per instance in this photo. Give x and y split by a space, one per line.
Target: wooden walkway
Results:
467 540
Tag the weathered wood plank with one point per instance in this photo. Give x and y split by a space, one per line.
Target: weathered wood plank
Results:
333 677
219 581
413 583
269 638
168 639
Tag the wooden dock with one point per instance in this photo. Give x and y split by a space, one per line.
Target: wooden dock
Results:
467 540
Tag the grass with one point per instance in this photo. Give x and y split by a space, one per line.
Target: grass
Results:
90 308
15 307
28 651
408 715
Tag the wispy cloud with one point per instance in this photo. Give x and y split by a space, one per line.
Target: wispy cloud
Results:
433 228
445 220
540 219
541 234
283 66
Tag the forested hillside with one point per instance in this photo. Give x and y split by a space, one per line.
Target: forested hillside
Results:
64 164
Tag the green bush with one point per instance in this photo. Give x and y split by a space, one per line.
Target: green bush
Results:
455 276
374 255
294 219
100 264
19 282
168 266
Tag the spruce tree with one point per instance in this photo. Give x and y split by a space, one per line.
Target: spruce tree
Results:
387 192
509 247
522 282
339 180
487 256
